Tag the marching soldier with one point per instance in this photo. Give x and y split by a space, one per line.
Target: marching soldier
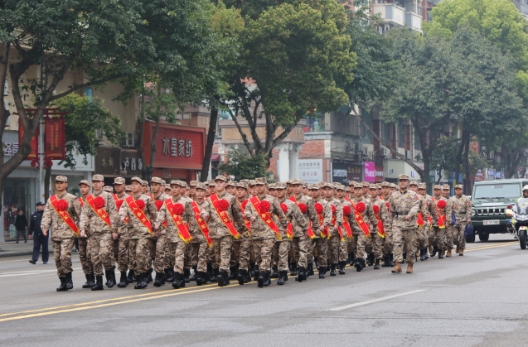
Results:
244 242
61 213
437 233
421 221
226 222
123 239
99 217
144 187
337 235
450 226
178 216
429 220
388 257
192 189
404 206
320 243
200 234
141 213
301 240
160 246
375 243
231 187
461 206
84 250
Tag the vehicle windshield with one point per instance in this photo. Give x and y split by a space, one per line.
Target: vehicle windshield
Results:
498 191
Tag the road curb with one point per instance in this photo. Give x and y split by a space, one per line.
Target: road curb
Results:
7 254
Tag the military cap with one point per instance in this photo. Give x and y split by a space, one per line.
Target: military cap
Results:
119 180
108 189
378 185
365 184
392 185
200 185
437 186
157 180
289 182
373 186
193 183
296 182
211 183
144 183
137 179
252 183
459 186
327 185
244 181
403 177
413 183
167 186
261 181
421 186
280 185
231 183
221 178
177 183
85 182
352 183
385 184
271 186
446 187
305 185
97 178
241 185
128 188
313 187
339 186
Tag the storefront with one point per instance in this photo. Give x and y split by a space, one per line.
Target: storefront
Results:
344 172
81 172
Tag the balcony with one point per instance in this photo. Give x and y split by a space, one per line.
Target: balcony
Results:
413 21
390 13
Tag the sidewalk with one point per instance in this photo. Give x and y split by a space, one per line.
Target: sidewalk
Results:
12 249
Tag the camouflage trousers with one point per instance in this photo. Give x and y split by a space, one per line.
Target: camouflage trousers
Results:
387 244
179 256
84 256
310 252
262 250
300 248
337 249
101 253
349 247
222 251
188 256
281 252
161 253
152 249
437 237
451 235
459 235
170 255
404 238
62 254
140 254
201 250
211 258
122 253
243 248
361 241
374 245
421 237
320 247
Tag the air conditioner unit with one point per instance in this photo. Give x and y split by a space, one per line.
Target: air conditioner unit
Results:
128 140
384 151
408 155
364 150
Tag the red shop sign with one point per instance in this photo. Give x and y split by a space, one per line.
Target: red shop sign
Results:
34 141
54 139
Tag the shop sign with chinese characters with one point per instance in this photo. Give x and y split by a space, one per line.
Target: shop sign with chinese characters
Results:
310 170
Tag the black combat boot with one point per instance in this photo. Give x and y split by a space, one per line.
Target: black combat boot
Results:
283 276
261 279
435 250
252 269
187 275
256 275
62 287
69 281
89 281
142 281
123 280
193 278
322 271
233 272
110 278
301 273
177 280
377 264
332 270
169 275
293 271
148 276
426 253
267 280
201 278
359 264
131 278
351 258
385 262
275 272
309 271
391 260
215 276
98 283
342 267
241 276
422 254
440 254
370 259
223 278
158 281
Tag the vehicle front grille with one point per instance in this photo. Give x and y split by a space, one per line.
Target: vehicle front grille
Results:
490 211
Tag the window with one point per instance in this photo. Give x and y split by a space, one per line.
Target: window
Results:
88 92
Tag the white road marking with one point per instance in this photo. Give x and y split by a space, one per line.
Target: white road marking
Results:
385 298
30 273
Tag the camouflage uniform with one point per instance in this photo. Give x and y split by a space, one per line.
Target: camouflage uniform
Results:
301 242
320 242
436 234
337 246
62 236
421 235
402 204
160 243
387 243
450 231
84 249
375 242
294 216
430 220
199 239
462 212
101 244
359 234
244 245
123 240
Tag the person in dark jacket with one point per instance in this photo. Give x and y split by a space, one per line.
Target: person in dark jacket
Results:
38 239
21 225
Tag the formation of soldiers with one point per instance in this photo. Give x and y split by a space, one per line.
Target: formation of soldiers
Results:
247 230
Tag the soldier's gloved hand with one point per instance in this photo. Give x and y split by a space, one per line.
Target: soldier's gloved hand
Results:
253 218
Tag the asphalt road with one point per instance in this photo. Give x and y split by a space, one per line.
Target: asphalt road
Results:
476 300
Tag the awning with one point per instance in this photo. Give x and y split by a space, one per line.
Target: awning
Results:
215 157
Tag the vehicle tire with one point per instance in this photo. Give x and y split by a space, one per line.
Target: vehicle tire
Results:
522 238
470 238
483 236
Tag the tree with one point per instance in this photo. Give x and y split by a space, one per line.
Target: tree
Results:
242 166
101 41
299 55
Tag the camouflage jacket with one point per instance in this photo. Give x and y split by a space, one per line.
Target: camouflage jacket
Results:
449 211
383 212
122 230
431 211
92 222
337 217
187 218
51 220
135 227
310 215
245 202
217 229
294 216
461 208
194 229
368 216
403 203
440 212
162 197
326 216
259 229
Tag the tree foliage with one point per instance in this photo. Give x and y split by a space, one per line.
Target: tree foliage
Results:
242 166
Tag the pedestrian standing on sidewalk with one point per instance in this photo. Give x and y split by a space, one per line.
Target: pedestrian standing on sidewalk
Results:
21 224
39 240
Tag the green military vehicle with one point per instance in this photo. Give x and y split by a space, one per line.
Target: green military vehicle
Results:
489 201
